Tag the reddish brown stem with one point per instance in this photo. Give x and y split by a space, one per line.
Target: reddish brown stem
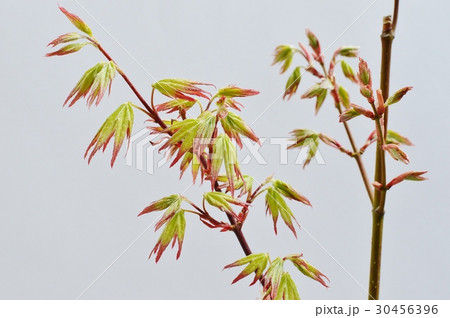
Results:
152 112
237 230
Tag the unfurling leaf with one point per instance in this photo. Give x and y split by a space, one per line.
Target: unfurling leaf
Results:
289 192
205 130
257 263
393 137
287 289
275 206
119 124
233 91
307 269
283 55
163 203
348 51
313 91
354 111
181 89
171 204
348 114
318 90
410 175
76 21
343 97
222 201
67 49
272 278
190 159
224 152
398 95
244 184
348 71
315 45
180 105
93 84
364 75
396 153
319 101
193 134
381 108
292 83
233 125
174 231
306 138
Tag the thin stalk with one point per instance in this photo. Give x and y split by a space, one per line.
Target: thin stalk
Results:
153 114
359 162
387 37
237 230
357 156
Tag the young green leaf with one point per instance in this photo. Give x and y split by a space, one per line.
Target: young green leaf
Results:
348 114
364 74
205 130
67 49
354 111
93 84
275 206
348 51
287 289
396 153
244 184
272 278
289 192
343 97
183 132
283 55
65 38
398 95
393 137
190 159
119 124
224 152
233 126
76 21
171 204
222 201
307 269
319 101
318 90
306 138
190 135
315 45
174 231
163 203
181 89
292 83
257 263
180 105
348 71
232 91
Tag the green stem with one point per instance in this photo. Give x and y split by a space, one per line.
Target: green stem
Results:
387 37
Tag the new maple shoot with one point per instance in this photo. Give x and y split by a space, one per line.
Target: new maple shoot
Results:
203 139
